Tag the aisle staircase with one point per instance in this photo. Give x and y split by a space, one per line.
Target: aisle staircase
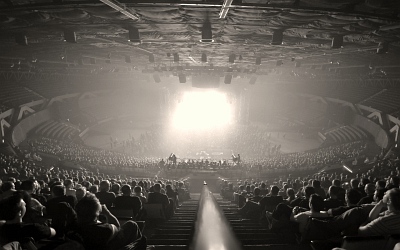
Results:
253 234
177 232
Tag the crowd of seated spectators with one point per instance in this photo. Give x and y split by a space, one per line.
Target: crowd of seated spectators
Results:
324 206
88 156
85 155
52 203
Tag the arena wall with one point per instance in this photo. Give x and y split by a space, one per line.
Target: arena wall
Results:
21 130
380 135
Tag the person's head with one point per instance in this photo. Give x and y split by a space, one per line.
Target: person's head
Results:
28 186
115 188
353 196
336 183
94 189
392 199
380 184
256 191
80 192
316 203
88 209
379 193
126 190
274 190
168 187
68 183
308 191
395 181
7 185
104 186
13 208
316 184
137 190
58 190
157 187
370 189
333 192
354 183
290 192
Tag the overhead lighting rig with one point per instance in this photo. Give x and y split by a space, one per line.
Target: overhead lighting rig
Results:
121 8
225 9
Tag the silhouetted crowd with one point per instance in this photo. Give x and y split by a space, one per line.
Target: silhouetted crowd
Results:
41 202
323 206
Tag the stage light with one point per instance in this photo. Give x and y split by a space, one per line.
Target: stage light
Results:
277 37
151 58
182 78
156 78
108 60
228 79
253 80
69 36
204 57
176 57
383 48
21 39
232 58
206 32
337 42
202 110
134 35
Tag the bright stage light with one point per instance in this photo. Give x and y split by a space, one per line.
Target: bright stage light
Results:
201 110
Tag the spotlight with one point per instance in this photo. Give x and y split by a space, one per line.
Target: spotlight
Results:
69 36
156 78
134 35
151 58
21 39
383 48
253 80
108 60
206 32
277 37
182 78
337 42
232 58
176 57
228 79
204 57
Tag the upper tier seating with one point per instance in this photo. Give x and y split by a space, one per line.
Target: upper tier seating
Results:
13 95
388 101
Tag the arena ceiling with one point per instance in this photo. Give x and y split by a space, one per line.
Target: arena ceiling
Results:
249 33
